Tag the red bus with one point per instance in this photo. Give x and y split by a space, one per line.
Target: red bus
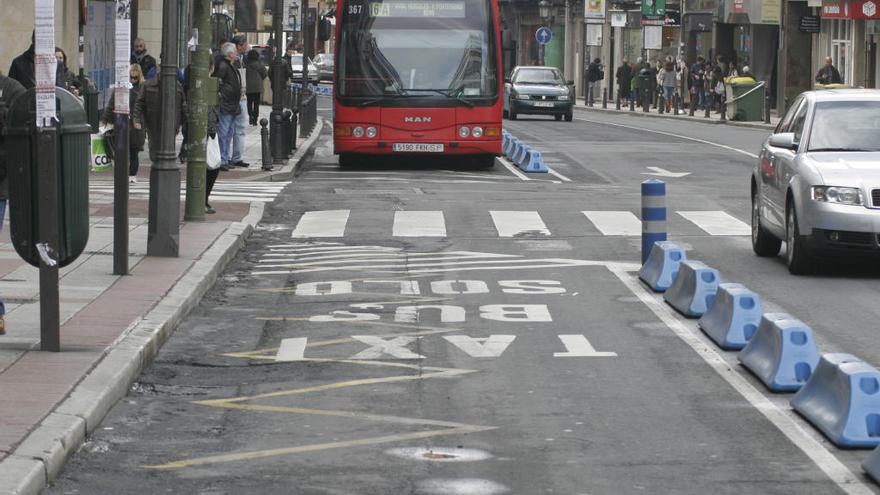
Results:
416 78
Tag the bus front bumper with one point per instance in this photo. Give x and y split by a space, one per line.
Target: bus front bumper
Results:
414 147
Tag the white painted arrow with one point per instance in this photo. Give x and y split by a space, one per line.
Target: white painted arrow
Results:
662 172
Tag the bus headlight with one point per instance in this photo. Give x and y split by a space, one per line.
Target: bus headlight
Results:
358 132
477 132
371 132
464 131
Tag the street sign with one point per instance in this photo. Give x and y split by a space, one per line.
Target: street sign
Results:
543 35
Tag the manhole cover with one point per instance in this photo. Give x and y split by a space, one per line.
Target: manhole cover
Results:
440 454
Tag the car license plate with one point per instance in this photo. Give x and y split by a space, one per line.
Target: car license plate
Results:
544 104
417 147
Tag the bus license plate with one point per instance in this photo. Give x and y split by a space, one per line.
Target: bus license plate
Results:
417 147
543 104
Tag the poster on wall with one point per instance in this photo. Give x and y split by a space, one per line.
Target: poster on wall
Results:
618 19
594 9
653 37
594 34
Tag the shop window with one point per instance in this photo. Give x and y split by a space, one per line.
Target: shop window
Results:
840 46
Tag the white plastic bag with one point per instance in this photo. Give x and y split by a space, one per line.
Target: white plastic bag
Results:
212 156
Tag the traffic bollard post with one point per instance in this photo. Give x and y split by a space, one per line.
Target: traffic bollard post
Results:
632 104
708 110
692 107
604 98
661 103
766 105
653 215
724 108
617 102
266 152
676 101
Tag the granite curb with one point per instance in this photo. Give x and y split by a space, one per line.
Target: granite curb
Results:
39 459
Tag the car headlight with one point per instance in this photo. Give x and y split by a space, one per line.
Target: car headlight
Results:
839 195
563 98
523 97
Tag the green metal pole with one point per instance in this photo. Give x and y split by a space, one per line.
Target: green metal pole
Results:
196 166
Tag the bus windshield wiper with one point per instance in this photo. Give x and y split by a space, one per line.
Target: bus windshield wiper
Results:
378 99
445 92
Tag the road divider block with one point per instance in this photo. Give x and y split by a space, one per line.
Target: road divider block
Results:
871 464
505 137
842 400
515 149
533 162
692 292
521 155
782 353
662 265
734 318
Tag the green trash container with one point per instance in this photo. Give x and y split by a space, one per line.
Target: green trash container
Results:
646 87
73 177
748 107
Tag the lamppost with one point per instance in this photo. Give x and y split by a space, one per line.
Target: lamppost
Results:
544 11
279 85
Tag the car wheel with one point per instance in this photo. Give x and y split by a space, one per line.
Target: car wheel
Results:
569 117
763 243
558 117
797 256
511 113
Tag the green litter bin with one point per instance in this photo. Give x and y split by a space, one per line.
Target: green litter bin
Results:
745 99
73 176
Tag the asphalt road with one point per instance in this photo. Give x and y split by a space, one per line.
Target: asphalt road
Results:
392 329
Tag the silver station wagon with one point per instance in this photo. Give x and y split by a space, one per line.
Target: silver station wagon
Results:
817 182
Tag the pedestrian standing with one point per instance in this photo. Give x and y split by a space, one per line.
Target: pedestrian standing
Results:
238 144
255 73
148 113
634 83
23 70
10 89
136 133
624 80
229 84
668 80
697 90
717 83
71 82
144 59
595 74
828 74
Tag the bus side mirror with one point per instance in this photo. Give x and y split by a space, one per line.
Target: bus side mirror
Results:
324 29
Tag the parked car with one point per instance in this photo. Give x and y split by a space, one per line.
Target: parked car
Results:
817 181
324 62
296 64
538 90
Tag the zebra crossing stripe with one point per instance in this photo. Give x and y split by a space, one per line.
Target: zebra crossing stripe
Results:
513 223
615 222
325 223
717 222
419 224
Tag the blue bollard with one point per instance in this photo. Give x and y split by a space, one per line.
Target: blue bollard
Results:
653 215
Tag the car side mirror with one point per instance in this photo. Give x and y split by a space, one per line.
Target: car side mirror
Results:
785 140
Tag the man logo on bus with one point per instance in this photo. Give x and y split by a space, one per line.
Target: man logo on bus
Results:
413 120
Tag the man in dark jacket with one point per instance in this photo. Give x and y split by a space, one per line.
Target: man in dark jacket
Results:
624 77
229 83
23 71
828 74
144 59
255 73
595 74
148 113
10 89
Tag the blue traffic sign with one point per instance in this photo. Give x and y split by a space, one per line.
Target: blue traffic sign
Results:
543 35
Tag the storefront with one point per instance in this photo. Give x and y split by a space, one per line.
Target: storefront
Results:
849 36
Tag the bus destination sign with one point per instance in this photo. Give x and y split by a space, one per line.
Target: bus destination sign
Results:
416 9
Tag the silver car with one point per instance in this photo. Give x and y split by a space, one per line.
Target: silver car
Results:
817 181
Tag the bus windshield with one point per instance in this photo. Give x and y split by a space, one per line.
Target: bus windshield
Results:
417 49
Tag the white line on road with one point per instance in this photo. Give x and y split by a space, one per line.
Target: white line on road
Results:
291 350
615 222
512 169
326 223
557 174
512 223
845 479
703 141
717 222
419 224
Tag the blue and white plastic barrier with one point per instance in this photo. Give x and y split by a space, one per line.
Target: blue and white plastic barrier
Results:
692 293
734 317
653 215
842 400
522 155
661 268
782 354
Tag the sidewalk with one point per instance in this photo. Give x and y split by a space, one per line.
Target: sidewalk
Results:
112 326
699 116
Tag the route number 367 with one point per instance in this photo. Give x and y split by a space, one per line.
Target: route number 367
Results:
355 9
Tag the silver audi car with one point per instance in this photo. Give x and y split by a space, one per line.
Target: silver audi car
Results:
817 182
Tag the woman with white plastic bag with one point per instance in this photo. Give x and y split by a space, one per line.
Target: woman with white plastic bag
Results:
212 157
